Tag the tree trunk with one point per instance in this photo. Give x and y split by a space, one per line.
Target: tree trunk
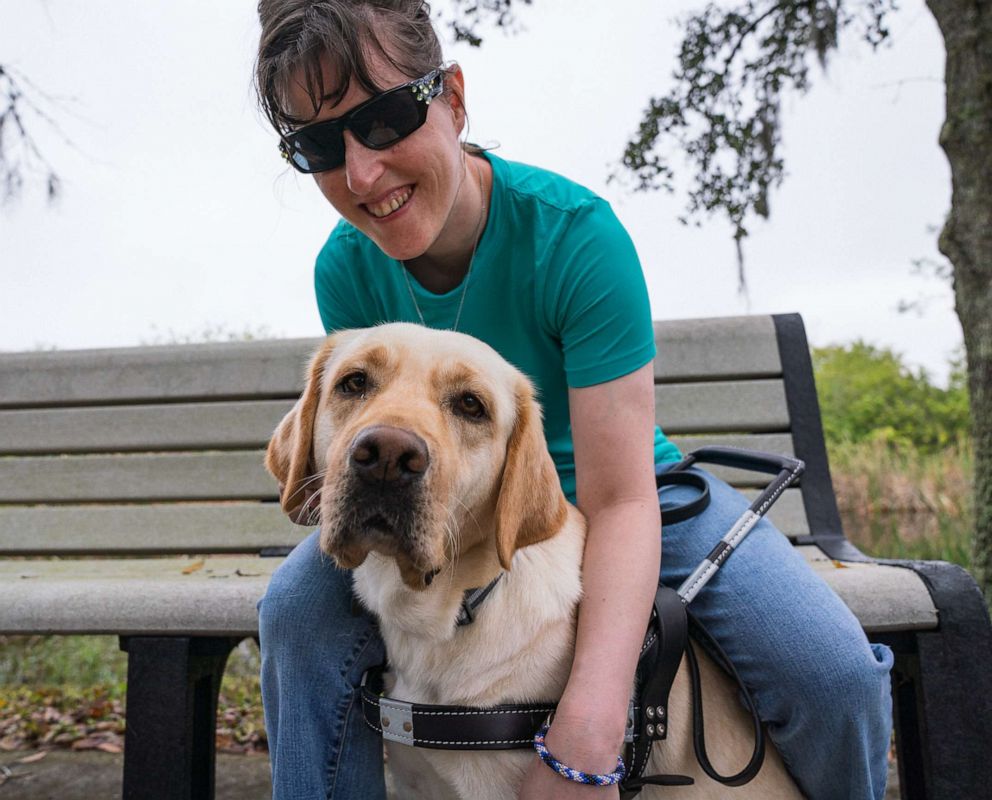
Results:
967 235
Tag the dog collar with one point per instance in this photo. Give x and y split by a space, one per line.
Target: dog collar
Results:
473 599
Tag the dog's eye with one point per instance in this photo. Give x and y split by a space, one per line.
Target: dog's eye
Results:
469 405
355 383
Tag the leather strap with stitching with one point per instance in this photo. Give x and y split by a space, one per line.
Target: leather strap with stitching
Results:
656 670
502 727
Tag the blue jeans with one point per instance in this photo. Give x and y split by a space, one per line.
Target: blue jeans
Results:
820 686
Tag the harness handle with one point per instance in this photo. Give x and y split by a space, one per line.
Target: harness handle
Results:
738 457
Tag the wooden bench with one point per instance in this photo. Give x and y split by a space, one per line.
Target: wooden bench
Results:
133 502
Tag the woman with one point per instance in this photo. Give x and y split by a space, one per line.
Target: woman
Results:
440 233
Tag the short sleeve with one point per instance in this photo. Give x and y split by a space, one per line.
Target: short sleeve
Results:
337 297
596 299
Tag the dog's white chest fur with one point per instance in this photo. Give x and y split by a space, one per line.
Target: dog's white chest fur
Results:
518 650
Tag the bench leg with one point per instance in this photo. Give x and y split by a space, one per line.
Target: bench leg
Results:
942 693
172 687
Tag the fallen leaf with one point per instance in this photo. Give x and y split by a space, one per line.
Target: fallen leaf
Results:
31 759
86 744
193 567
839 565
110 747
247 574
9 743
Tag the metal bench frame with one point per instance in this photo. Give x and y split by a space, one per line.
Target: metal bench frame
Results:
942 680
941 685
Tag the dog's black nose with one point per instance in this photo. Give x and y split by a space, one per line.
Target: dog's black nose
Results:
383 454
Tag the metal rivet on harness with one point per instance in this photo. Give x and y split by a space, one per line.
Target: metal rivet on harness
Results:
649 711
650 730
396 720
661 712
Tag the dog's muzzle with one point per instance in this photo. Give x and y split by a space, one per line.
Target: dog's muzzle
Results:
386 484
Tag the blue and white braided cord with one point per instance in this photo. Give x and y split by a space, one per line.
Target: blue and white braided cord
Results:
575 775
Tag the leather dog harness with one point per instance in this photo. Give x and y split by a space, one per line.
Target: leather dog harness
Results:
511 726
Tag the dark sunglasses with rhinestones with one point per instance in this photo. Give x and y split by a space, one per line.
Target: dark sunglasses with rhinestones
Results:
378 123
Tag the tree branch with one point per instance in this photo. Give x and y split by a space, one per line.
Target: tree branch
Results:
20 154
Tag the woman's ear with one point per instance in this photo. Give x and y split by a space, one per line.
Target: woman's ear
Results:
454 82
531 506
290 453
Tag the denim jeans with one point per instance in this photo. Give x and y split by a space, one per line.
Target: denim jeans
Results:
822 689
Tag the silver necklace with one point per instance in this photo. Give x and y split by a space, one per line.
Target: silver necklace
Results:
471 261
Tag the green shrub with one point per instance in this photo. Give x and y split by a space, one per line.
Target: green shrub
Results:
869 394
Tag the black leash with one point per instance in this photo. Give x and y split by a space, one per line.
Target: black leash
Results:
786 470
698 733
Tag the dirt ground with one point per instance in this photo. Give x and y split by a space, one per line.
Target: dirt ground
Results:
66 775
92 775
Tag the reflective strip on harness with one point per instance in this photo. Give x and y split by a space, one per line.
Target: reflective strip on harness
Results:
701 575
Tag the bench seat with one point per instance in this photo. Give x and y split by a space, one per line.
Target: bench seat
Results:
884 598
211 596
216 595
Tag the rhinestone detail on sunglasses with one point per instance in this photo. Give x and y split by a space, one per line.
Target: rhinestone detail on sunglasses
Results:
319 147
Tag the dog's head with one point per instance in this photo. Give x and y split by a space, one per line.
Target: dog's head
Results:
422 444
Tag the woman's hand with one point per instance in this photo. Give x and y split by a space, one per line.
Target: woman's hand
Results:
574 743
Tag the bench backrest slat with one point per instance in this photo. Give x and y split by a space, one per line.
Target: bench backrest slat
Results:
157 477
705 349
754 406
158 528
155 374
109 429
207 527
716 349
135 477
751 406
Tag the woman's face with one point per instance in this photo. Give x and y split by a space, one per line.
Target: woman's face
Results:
420 174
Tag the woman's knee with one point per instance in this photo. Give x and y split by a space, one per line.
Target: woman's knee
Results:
845 689
854 683
308 597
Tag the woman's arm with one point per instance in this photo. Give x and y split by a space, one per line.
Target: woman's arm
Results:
613 435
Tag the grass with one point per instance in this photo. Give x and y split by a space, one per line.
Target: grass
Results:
900 503
70 690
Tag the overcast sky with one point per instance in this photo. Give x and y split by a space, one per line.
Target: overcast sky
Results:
178 216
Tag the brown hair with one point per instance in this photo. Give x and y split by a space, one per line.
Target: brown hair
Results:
296 34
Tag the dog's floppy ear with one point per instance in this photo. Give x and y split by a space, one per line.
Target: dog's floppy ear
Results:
290 454
531 506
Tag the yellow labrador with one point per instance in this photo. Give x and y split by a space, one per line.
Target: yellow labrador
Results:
433 475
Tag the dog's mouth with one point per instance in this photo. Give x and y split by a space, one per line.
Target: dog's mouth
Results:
394 528
378 523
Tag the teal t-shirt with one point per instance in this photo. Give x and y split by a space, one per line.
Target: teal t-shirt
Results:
556 288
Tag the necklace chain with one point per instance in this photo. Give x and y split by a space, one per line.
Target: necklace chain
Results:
468 273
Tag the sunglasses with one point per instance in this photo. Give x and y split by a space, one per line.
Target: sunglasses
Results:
378 123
